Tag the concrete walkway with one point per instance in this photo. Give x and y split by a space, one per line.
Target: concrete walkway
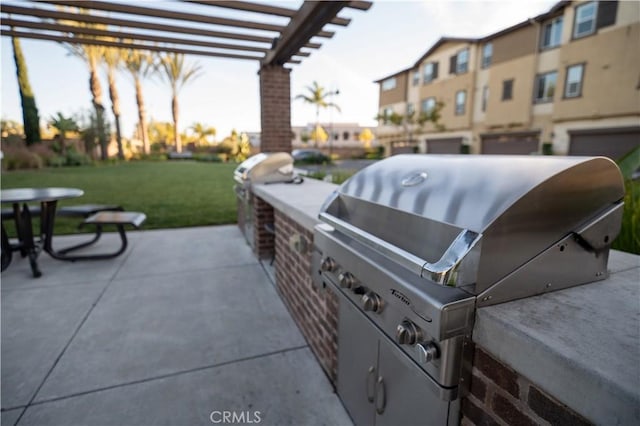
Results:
183 327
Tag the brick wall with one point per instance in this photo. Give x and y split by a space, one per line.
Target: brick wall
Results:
264 241
314 310
241 214
500 396
275 109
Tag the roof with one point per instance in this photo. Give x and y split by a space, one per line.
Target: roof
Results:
442 41
552 12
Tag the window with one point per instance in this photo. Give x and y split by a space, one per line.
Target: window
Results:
416 77
461 98
459 64
386 115
428 105
551 33
487 53
585 22
545 87
345 136
389 84
507 90
573 84
485 98
463 61
430 72
410 109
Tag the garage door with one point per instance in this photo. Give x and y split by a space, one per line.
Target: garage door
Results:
510 143
444 146
612 142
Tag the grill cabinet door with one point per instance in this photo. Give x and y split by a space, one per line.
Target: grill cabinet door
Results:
408 397
357 363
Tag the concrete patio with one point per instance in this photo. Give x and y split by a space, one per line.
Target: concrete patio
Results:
184 326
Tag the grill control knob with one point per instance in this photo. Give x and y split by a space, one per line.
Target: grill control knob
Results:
372 302
328 264
347 280
407 333
426 352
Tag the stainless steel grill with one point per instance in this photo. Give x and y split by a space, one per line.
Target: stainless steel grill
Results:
260 168
414 243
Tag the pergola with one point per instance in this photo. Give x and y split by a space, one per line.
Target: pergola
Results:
274 36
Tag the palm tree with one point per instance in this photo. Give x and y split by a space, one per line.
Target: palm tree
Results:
177 73
63 125
318 96
92 56
112 58
140 65
202 131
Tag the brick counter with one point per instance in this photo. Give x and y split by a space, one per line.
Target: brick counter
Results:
528 368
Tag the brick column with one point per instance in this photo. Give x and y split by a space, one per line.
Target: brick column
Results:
275 108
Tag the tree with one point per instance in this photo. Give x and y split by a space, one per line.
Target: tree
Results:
319 134
366 137
112 58
317 96
92 56
140 65
177 74
30 117
63 125
411 123
201 132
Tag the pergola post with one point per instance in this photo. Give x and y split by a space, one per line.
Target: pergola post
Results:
275 108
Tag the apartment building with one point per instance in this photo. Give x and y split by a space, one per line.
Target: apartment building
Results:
566 80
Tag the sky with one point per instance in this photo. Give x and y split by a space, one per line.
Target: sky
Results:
389 37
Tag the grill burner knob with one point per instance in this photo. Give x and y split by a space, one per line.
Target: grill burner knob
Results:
347 280
328 264
407 333
426 352
372 302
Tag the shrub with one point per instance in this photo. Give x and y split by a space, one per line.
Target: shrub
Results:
629 238
209 158
77 159
56 161
19 158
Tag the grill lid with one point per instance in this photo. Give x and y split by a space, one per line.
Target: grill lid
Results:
472 220
265 168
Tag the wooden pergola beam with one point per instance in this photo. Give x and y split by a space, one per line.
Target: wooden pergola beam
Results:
119 35
309 19
168 14
94 19
126 45
261 8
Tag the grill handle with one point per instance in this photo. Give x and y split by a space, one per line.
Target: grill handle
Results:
403 257
371 383
444 270
440 272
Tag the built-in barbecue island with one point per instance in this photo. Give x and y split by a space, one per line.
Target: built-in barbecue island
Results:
479 345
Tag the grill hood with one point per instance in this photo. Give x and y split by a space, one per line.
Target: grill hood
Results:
265 168
482 222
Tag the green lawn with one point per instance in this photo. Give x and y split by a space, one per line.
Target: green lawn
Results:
173 194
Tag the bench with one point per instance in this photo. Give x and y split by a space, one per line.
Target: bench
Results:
119 219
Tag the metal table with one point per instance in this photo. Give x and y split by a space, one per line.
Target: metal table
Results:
48 198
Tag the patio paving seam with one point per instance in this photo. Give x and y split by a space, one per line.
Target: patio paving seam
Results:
75 333
178 273
164 376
